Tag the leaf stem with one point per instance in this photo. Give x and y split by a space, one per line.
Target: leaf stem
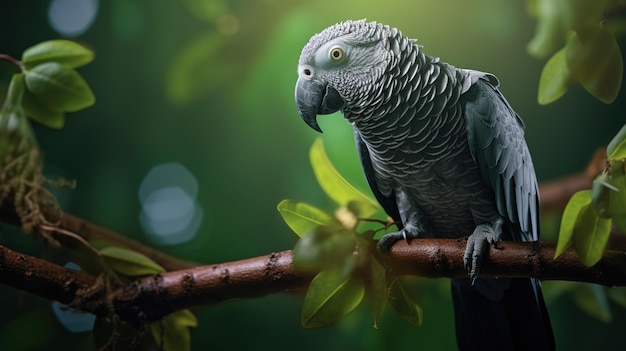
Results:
13 60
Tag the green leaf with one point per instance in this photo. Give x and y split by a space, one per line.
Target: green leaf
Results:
41 113
595 60
172 332
129 262
335 186
617 200
403 304
618 294
302 217
64 52
380 290
568 221
617 147
601 190
329 247
331 296
59 87
592 299
591 233
555 79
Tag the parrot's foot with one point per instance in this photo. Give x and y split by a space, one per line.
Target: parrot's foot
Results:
388 240
478 246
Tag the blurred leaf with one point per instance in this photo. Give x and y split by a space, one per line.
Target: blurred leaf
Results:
380 290
329 247
617 201
65 52
568 221
129 262
335 186
595 60
601 190
302 218
592 299
617 147
618 294
555 79
59 87
172 332
10 114
199 66
331 296
551 30
207 10
42 113
591 233
403 304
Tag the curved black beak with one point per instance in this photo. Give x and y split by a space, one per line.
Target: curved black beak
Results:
313 98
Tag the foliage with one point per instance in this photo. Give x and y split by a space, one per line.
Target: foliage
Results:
590 56
344 256
590 214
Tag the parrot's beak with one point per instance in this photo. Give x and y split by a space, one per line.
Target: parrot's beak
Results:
313 98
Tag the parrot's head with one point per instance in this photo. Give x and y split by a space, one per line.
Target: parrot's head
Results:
340 68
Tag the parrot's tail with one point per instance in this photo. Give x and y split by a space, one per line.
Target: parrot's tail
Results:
502 314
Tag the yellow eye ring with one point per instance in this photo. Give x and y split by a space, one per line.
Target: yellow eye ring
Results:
336 54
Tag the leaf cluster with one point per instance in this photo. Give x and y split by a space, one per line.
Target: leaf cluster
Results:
589 52
336 246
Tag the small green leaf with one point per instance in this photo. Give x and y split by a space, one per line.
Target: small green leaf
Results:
329 247
302 217
335 186
403 304
591 233
380 290
592 299
617 147
568 221
65 52
331 296
42 113
595 60
172 332
617 200
59 87
129 262
555 79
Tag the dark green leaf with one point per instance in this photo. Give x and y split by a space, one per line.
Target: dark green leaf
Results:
129 262
576 203
59 87
65 52
302 218
331 296
617 201
555 79
172 332
591 233
42 113
618 294
404 304
617 147
380 290
337 187
592 299
595 60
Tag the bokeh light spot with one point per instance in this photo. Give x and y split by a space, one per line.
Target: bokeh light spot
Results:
73 320
72 18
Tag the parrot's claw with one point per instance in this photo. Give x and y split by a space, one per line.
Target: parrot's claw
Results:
388 240
478 246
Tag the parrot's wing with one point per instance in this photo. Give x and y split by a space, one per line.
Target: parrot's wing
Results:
496 139
388 202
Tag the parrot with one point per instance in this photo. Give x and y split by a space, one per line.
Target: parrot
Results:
445 156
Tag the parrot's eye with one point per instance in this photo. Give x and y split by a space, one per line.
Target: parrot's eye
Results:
336 54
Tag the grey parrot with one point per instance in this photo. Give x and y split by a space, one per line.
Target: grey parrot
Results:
444 154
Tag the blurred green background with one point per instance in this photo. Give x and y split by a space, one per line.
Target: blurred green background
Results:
194 139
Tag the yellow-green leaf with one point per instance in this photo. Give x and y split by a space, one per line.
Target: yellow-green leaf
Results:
172 332
331 296
335 186
61 51
591 233
129 262
595 60
59 87
617 147
302 217
555 79
568 221
42 113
